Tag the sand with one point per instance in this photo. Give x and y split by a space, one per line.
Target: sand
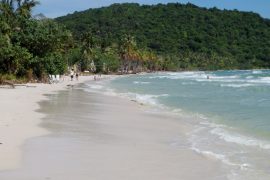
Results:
93 136
19 120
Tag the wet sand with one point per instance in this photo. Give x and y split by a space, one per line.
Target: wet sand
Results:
99 137
18 119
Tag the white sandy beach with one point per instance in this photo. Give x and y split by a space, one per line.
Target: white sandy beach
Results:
93 136
19 120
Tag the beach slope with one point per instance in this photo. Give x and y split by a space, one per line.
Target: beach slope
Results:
94 136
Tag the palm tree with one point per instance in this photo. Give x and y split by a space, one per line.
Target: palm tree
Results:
128 52
88 48
7 11
11 8
24 7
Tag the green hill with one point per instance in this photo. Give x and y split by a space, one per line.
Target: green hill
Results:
191 36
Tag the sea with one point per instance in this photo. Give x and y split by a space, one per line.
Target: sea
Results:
229 112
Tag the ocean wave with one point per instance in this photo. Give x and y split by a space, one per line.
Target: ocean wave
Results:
140 82
254 82
109 92
236 85
260 81
220 142
221 80
149 99
224 77
222 132
181 75
187 83
208 145
144 98
212 155
265 79
247 78
198 76
221 157
257 72
239 139
95 86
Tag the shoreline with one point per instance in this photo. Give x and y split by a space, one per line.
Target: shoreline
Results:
93 126
95 136
244 154
20 120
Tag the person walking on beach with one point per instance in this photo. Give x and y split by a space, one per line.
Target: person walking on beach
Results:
77 76
71 74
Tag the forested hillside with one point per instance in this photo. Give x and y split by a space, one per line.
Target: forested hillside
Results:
185 36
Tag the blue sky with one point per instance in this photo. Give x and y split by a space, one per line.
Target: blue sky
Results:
55 8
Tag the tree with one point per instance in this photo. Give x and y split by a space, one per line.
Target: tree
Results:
89 50
230 39
29 46
128 52
24 7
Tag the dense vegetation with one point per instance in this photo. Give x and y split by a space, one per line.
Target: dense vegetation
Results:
30 49
181 36
129 38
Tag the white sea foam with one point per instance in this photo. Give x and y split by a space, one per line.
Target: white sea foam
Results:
265 79
239 139
260 81
140 98
149 99
221 79
144 98
237 85
199 77
187 83
257 72
95 86
232 137
235 81
212 155
224 77
181 75
207 145
110 92
140 82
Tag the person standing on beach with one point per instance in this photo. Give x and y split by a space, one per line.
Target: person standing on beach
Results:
71 74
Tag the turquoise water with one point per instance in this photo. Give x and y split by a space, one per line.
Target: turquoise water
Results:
240 99
228 111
